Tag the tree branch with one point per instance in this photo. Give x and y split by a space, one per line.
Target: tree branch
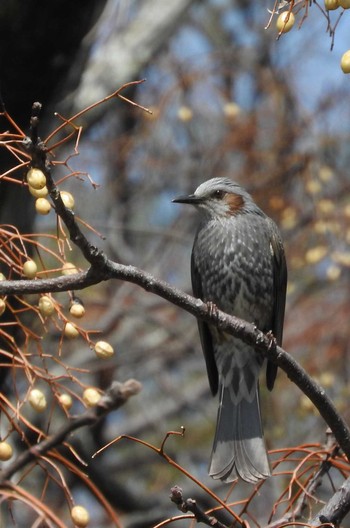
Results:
136 43
190 505
230 324
114 398
102 268
335 509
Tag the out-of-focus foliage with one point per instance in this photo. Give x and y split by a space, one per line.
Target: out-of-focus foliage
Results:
230 100
227 99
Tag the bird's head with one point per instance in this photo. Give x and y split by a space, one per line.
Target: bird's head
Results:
220 197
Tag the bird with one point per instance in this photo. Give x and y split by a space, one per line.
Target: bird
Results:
238 265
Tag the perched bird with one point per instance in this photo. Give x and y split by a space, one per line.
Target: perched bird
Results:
238 264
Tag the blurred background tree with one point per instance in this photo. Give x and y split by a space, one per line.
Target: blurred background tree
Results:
228 98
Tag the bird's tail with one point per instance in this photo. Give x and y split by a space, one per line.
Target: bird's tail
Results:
239 447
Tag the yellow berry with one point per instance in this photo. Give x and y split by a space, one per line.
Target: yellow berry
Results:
345 62
46 306
313 186
71 331
305 405
38 193
91 396
77 310
325 173
37 400
30 269
80 516
2 277
327 379
103 350
66 401
42 206
333 272
231 109
67 199
344 3
316 254
36 178
184 113
6 451
325 206
69 269
330 5
285 21
2 306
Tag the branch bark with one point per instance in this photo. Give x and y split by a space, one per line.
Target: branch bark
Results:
190 505
230 324
335 509
126 52
102 268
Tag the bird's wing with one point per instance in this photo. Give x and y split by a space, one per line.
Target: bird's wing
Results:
204 333
280 285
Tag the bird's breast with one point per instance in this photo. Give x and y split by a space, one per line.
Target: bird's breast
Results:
234 262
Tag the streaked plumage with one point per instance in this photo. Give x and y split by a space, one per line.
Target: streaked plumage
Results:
238 263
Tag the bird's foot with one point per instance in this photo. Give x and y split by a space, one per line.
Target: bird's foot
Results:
213 310
272 340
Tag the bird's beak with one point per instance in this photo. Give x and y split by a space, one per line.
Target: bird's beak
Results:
188 199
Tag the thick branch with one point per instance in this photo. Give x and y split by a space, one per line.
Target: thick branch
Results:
136 43
104 269
190 505
232 325
335 509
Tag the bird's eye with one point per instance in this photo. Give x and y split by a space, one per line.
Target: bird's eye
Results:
218 194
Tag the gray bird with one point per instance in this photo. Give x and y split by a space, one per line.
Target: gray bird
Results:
238 264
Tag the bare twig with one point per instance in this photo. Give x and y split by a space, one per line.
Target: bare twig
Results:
190 505
314 482
160 451
114 398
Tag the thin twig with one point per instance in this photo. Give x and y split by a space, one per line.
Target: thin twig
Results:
190 505
114 398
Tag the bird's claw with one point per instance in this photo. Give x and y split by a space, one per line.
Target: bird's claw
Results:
213 309
272 340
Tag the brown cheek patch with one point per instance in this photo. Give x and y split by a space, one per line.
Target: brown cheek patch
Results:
235 202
